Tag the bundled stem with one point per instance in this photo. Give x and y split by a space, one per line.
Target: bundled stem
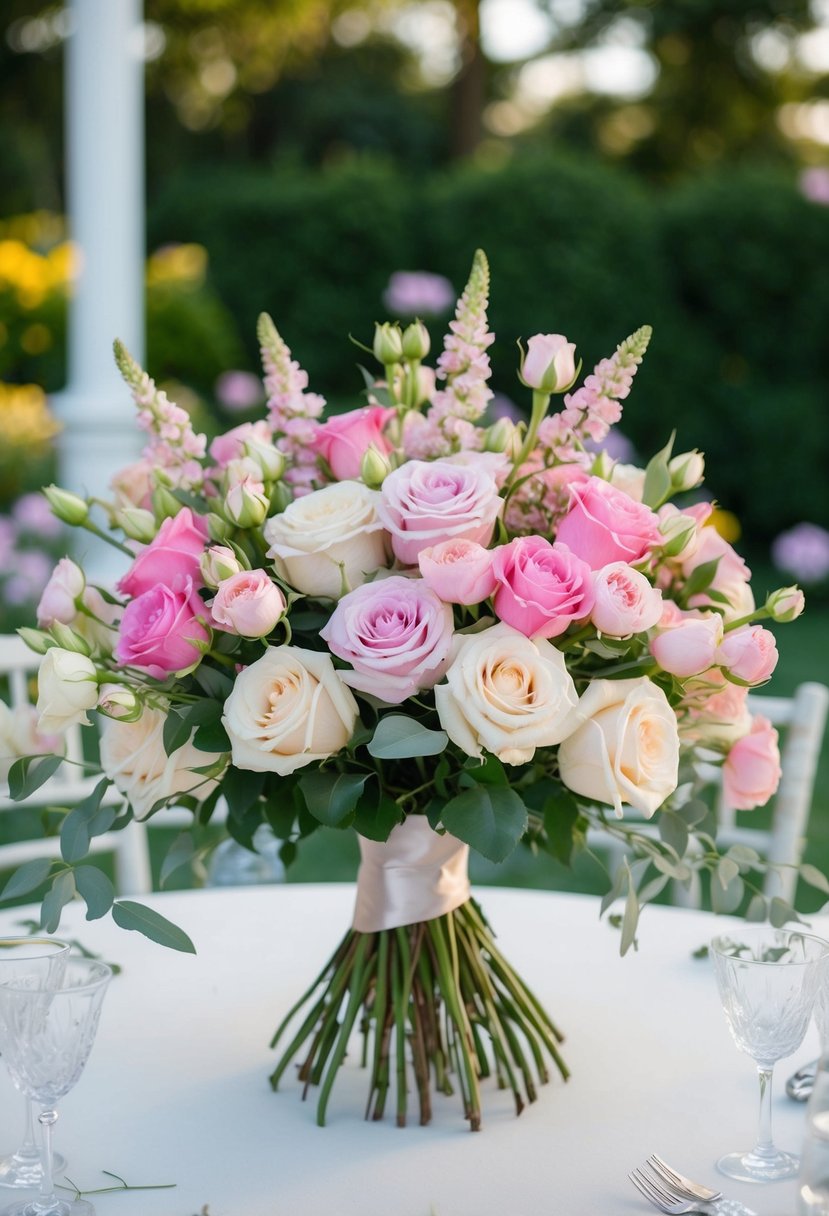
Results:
443 986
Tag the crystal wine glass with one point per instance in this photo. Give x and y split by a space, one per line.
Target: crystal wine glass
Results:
767 979
46 1034
44 956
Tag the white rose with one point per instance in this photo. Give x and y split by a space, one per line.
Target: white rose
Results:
19 736
627 749
288 709
506 693
317 534
133 756
67 687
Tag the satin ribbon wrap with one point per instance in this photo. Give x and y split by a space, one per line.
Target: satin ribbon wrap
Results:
413 876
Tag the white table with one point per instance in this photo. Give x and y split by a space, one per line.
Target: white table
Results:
176 1088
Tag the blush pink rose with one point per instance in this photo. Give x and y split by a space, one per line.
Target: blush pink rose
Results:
751 772
731 577
458 571
343 440
133 485
542 588
625 602
248 603
231 445
176 551
395 633
689 645
549 364
749 654
59 601
423 503
162 628
605 525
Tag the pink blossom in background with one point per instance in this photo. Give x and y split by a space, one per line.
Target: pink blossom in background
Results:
751 772
8 538
803 551
133 485
343 440
458 571
605 525
814 184
32 513
176 550
542 588
162 627
418 293
237 391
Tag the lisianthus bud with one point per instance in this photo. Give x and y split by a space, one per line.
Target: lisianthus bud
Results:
687 471
165 504
36 639
218 563
119 702
68 639
499 437
137 524
267 457
374 467
217 528
678 532
549 364
67 507
415 341
785 604
388 343
245 503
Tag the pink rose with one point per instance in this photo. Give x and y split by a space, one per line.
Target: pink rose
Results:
749 654
161 629
61 594
248 603
176 550
133 485
731 577
231 445
549 364
716 711
751 772
423 503
605 525
689 646
542 588
458 571
625 601
343 440
395 633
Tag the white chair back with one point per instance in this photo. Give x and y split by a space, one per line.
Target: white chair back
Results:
66 788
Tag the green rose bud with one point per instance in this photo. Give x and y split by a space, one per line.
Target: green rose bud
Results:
69 508
416 341
388 343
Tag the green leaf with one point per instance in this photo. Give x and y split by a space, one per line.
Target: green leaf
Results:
29 773
692 812
59 894
287 853
674 831
657 477
95 889
756 910
376 820
700 579
491 772
332 797
727 871
399 737
180 853
781 913
130 915
652 889
815 878
217 684
630 919
176 731
29 876
75 831
241 789
492 819
726 897
561 814
211 737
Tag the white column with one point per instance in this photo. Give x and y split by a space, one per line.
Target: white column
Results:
104 100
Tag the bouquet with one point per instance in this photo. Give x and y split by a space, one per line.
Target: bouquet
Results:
442 629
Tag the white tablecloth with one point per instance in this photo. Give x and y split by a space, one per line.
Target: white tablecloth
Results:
176 1089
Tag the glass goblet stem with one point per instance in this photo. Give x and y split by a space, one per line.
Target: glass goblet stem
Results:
48 1198
765 1144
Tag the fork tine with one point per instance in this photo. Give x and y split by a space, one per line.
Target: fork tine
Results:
658 1186
660 1199
681 1184
643 1189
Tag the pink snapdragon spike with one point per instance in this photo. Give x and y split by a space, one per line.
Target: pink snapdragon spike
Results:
292 411
173 445
449 424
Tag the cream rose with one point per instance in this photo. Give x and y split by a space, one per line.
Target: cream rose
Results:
19 736
325 534
67 686
626 752
288 709
507 694
133 756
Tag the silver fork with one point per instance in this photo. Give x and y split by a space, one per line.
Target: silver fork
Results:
658 1193
684 1187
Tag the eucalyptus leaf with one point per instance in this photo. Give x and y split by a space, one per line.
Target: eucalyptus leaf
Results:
727 871
180 853
330 796
129 915
492 819
630 919
28 877
561 814
400 737
815 878
673 831
756 910
29 773
59 894
95 889
727 897
781 913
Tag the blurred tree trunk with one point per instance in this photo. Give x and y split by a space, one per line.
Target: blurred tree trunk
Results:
469 87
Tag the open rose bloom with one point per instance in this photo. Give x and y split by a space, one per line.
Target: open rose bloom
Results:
404 619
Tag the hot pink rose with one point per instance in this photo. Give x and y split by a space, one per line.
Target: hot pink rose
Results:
458 571
689 646
731 577
61 594
751 772
176 550
231 445
343 440
605 525
395 633
423 503
542 588
161 629
625 601
749 654
248 603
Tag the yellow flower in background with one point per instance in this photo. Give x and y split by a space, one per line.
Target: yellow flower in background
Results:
727 524
177 264
25 419
32 276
